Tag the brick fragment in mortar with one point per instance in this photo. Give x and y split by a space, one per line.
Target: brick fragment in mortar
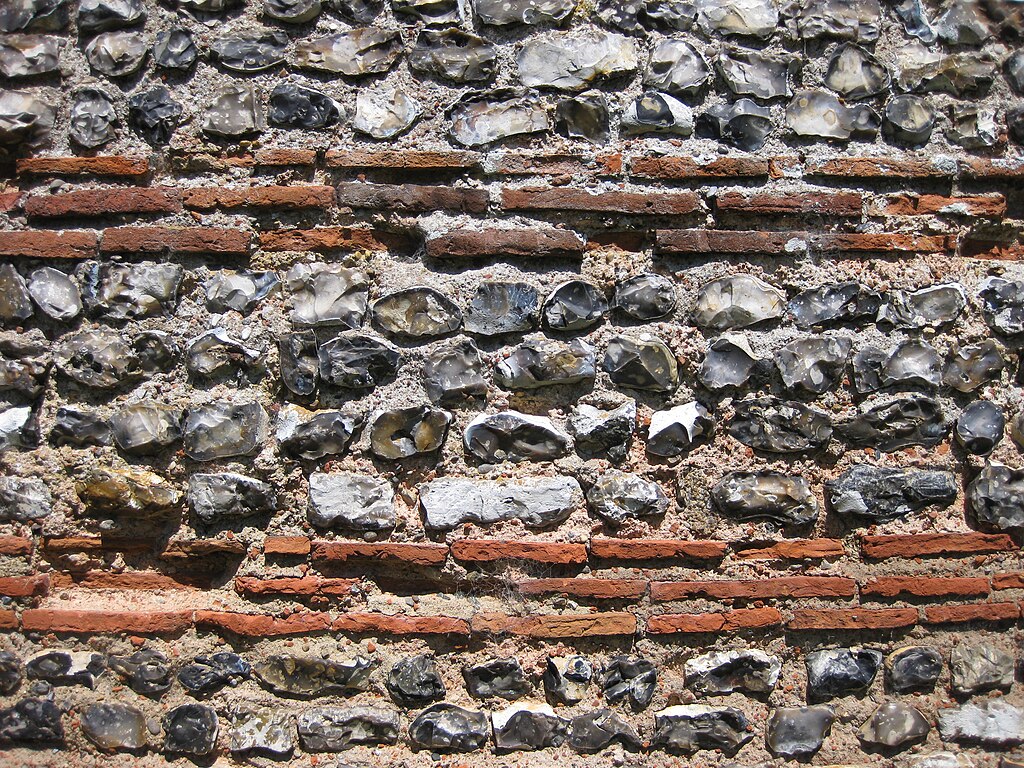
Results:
540 502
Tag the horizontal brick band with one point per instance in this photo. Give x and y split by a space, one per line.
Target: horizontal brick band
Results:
961 614
103 165
412 198
298 586
852 618
412 554
519 243
292 197
42 244
556 626
581 200
918 586
685 168
482 551
327 239
175 240
104 202
24 586
106 622
792 549
729 621
935 544
780 587
775 204
402 160
656 549
608 589
16 546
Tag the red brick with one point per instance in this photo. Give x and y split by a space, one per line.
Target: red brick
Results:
853 618
15 546
106 622
489 550
564 199
175 240
41 244
519 164
402 160
62 545
526 243
185 550
755 589
275 157
791 549
879 168
925 586
286 545
140 580
8 620
326 239
992 169
383 624
959 614
935 544
605 589
556 626
682 168
704 241
300 586
286 198
727 621
103 202
412 554
260 625
882 242
633 241
656 549
909 204
106 165
25 586
10 201
974 248
412 198
204 162
1008 580
785 167
777 204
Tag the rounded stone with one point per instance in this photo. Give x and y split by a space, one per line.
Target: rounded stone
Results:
645 297
980 426
417 313
574 306
404 432
621 496
643 363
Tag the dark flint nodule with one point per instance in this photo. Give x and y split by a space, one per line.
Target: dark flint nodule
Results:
914 668
584 117
629 678
645 297
879 494
979 427
841 672
292 106
779 426
453 54
898 423
743 124
190 729
250 51
174 49
208 674
498 677
415 680
574 306
154 115
93 118
497 308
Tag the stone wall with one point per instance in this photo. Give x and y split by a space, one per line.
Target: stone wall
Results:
628 383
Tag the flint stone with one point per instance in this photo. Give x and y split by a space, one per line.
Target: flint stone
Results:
995 723
783 499
971 366
645 297
858 20
208 674
743 124
263 731
617 497
292 106
216 353
37 15
455 374
28 55
484 118
757 75
448 728
995 498
93 118
643 363
498 308
1003 305
915 668
223 430
653 112
880 494
25 121
154 115
905 421
146 428
103 15
915 20
116 54
213 497
676 67
498 677
834 304
930 307
79 429
292 11
65 667
960 75
238 291
157 351
780 426
596 730
55 294
973 127
603 432
403 432
119 292
207 6
820 115
691 727
146 672
127 491
979 427
26 378
191 729
357 361
415 680
584 117
453 54
300 363
10 672
385 113
298 676
417 313
752 671
630 678
979 667
16 427
574 306
894 725
114 726
841 672
545 362
909 119
515 436
15 299
234 111
174 49
532 12
566 679
538 503
346 500
528 726
573 61
327 294
334 729
357 11
1014 69
31 721
855 74
360 51
813 365
742 18
963 24
314 436
431 11
675 431
799 732
738 301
